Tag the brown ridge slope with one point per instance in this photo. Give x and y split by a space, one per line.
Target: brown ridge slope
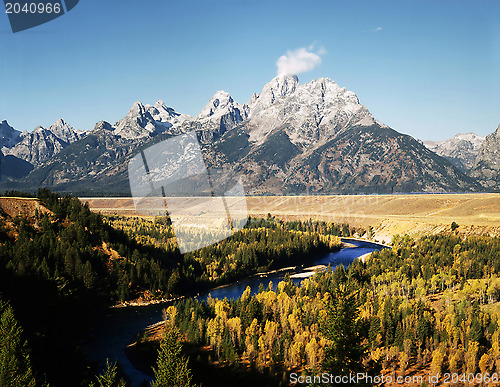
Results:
388 214
21 206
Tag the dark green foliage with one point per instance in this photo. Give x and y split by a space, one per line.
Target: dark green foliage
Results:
15 362
344 329
110 377
171 368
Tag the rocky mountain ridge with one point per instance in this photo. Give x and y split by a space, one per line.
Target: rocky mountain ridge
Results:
290 138
461 150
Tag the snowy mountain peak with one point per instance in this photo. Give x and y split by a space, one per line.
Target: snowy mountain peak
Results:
279 87
166 116
161 105
137 107
161 112
310 112
136 124
219 104
468 136
145 120
253 99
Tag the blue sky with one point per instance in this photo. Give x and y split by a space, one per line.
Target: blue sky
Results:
426 68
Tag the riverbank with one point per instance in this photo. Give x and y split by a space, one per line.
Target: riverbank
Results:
365 257
140 302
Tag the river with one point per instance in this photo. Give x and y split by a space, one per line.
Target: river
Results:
118 326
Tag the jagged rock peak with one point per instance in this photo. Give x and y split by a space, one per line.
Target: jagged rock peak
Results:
65 132
461 150
220 103
253 99
102 125
280 86
137 107
8 135
161 112
160 105
487 165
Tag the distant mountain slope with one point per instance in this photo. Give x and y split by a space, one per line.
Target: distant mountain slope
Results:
12 167
290 138
461 150
486 169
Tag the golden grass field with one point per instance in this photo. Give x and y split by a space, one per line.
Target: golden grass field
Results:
387 214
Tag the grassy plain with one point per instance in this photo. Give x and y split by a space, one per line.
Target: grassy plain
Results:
388 214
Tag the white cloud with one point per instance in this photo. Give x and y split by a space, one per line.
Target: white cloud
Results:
299 60
378 29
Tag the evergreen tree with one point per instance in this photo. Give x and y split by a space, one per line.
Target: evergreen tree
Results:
343 328
171 368
15 363
110 377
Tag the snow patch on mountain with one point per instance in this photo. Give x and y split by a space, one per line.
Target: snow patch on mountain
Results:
310 112
143 121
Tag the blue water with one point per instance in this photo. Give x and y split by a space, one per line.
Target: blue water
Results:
341 257
119 326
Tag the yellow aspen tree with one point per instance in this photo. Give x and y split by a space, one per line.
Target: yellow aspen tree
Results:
234 326
311 350
169 315
296 353
472 357
485 363
437 361
403 362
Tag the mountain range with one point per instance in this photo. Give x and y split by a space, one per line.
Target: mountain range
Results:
291 138
461 150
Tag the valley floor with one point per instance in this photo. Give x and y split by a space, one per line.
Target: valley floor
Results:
415 214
